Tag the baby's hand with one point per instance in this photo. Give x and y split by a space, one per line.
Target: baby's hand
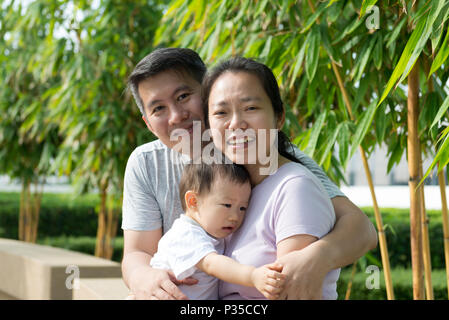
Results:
269 280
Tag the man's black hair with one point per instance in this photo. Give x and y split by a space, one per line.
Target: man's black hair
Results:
163 59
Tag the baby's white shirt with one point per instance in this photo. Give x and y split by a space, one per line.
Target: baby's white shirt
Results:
180 249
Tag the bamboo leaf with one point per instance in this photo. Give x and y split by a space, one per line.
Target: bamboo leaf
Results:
442 55
363 126
261 7
315 133
394 35
329 144
411 52
442 156
349 29
298 63
266 49
381 123
312 52
439 26
441 111
362 60
377 54
175 6
365 5
314 17
326 42
395 156
343 143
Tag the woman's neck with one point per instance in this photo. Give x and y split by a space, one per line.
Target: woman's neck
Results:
259 172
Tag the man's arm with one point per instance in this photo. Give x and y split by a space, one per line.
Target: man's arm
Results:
352 236
268 280
144 281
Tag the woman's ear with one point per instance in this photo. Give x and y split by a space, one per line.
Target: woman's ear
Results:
191 200
281 120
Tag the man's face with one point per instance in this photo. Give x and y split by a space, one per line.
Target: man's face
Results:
171 100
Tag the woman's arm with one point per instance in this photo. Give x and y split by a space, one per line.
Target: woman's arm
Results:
358 234
352 236
267 279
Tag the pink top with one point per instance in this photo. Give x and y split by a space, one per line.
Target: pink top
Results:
291 201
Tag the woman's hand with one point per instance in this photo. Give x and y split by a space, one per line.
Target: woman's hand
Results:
147 283
305 271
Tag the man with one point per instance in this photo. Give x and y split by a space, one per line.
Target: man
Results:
166 85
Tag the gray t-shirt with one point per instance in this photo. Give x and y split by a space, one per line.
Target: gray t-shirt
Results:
151 187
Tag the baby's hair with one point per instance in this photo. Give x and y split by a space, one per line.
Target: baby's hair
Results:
200 177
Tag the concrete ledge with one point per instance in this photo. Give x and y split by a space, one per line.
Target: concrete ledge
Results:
4 296
100 289
31 271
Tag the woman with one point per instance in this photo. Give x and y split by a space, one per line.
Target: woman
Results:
289 208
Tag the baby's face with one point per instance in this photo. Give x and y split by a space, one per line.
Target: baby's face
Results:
221 211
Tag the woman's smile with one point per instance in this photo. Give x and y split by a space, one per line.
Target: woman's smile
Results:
242 114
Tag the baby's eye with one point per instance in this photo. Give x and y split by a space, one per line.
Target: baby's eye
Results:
227 205
242 208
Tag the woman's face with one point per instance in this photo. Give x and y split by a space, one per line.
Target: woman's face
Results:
241 116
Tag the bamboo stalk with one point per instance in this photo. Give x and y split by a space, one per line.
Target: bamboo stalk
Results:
22 214
99 246
380 228
377 214
413 165
36 210
424 217
425 239
111 231
442 183
27 221
348 290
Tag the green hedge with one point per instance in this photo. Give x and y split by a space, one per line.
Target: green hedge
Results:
402 278
402 285
63 215
82 244
60 215
397 232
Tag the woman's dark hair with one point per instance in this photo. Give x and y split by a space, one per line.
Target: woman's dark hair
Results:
200 177
270 85
163 59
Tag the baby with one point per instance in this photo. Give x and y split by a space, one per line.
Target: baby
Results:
214 198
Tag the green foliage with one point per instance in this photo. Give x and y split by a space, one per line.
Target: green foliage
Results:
28 140
64 102
61 215
397 231
303 45
402 283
